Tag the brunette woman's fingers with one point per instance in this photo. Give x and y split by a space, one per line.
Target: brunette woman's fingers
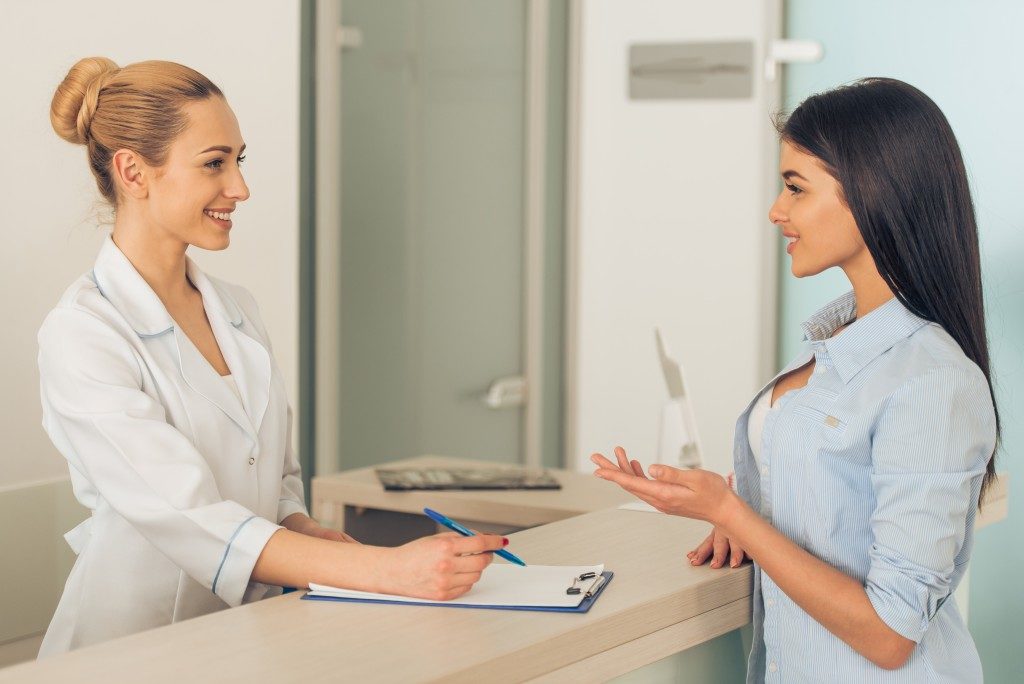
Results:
701 553
735 556
721 546
620 456
638 469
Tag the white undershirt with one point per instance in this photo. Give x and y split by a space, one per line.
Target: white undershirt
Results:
233 385
755 421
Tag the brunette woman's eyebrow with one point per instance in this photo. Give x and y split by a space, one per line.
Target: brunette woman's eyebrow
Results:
792 174
222 148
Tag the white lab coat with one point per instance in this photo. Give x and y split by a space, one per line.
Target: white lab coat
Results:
185 482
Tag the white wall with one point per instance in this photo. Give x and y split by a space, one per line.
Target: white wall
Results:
671 230
48 195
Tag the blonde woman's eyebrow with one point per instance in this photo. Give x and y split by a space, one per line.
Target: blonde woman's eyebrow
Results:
226 149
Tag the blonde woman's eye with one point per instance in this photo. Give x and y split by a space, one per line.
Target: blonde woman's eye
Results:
241 159
214 163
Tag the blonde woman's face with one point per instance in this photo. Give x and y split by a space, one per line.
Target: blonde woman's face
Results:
192 195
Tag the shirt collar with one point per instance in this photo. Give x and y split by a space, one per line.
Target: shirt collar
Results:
131 295
866 338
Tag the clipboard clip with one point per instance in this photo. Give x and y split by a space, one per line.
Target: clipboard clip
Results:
596 586
574 589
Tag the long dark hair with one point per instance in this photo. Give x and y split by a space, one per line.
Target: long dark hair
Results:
903 178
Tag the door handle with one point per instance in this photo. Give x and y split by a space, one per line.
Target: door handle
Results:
507 392
784 51
349 37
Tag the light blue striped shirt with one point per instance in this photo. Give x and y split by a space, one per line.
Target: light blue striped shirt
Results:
875 468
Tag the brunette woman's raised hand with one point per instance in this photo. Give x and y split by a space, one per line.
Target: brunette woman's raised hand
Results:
699 494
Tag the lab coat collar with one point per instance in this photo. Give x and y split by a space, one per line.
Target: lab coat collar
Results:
246 356
131 295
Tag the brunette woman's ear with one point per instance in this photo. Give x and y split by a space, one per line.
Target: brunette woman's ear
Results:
128 174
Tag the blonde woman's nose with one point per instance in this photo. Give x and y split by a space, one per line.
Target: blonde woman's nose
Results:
238 190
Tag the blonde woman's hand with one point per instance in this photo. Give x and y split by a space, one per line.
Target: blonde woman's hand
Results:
303 524
332 535
441 567
719 548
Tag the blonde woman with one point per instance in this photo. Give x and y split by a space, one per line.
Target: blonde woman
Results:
160 389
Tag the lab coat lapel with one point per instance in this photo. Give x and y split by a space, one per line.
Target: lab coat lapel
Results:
249 362
245 355
201 377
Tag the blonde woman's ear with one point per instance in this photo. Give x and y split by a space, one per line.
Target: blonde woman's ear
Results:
127 172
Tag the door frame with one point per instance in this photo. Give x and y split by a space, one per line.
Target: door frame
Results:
325 373
766 352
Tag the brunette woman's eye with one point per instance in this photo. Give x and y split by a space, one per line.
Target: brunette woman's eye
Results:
793 189
241 159
214 163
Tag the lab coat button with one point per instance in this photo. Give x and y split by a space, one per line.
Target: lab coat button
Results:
251 460
773 667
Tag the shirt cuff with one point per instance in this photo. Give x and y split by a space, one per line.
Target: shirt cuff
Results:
240 555
904 604
902 623
287 507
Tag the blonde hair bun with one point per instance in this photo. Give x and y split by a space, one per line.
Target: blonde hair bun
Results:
74 103
139 107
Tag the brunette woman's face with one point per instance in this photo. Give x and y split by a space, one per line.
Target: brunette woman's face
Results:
810 212
192 195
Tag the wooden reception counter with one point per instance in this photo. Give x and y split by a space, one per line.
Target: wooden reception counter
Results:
656 605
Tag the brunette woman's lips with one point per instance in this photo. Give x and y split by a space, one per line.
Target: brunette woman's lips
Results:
792 241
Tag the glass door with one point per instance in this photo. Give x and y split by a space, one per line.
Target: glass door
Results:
434 238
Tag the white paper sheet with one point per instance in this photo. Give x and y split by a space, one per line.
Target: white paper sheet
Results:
639 506
501 585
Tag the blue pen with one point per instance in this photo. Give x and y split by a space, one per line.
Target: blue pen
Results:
456 527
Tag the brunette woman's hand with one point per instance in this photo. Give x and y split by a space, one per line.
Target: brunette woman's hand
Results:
440 567
699 494
719 548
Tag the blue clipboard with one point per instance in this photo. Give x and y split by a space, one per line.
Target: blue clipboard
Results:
583 607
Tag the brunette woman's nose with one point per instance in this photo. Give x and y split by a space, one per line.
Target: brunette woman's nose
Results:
776 213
